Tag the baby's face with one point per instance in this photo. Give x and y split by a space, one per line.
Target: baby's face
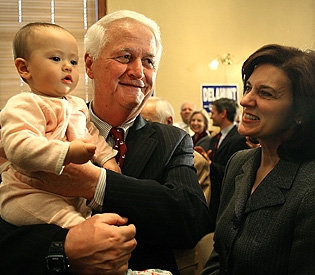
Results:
53 63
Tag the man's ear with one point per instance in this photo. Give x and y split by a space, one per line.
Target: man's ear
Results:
169 120
88 65
22 67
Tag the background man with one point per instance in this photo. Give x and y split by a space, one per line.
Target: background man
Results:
186 110
222 146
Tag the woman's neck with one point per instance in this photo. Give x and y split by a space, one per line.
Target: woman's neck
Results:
269 159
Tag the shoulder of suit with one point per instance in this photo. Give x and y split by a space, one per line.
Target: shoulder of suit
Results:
166 129
245 154
167 126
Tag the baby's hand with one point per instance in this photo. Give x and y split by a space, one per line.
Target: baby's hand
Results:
111 164
80 151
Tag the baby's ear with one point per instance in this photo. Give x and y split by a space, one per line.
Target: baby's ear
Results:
22 67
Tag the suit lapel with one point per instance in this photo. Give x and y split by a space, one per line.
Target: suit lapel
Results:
270 190
140 147
243 183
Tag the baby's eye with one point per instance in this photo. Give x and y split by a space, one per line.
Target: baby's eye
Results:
55 58
74 62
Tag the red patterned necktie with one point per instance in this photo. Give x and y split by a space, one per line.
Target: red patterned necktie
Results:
118 135
216 145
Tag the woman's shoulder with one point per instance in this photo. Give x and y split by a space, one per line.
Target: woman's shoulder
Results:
242 156
204 142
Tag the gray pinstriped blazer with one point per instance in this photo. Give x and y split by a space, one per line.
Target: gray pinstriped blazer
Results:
271 231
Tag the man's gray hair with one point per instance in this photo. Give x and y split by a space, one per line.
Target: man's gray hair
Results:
164 109
96 38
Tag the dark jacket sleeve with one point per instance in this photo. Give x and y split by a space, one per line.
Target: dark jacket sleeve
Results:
234 144
24 248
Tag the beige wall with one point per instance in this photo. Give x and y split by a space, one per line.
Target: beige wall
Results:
195 32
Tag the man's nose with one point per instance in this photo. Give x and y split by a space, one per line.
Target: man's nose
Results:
135 69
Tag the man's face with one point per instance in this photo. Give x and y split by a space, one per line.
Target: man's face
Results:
216 117
125 72
186 112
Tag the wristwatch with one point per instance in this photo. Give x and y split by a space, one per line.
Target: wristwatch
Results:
56 260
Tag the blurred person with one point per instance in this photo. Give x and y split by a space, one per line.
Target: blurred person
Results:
199 123
186 110
160 110
222 146
190 261
266 218
169 211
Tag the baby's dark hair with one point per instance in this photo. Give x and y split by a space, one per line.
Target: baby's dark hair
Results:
23 38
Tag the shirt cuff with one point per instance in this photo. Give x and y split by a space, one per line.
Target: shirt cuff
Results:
97 202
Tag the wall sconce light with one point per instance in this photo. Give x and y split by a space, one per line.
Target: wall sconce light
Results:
225 59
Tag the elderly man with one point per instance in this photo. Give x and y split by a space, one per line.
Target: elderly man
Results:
186 109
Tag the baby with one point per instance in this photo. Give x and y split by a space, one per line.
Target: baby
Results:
46 128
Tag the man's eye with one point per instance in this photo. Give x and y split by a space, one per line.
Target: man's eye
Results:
148 63
124 58
55 58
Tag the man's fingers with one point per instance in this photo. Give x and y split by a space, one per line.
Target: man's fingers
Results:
112 218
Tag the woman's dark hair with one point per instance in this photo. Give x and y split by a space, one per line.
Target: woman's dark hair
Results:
299 66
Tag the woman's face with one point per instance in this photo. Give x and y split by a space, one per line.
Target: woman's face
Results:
268 104
197 123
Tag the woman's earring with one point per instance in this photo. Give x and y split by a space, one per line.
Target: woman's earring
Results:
299 122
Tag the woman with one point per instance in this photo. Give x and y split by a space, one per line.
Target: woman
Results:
199 123
266 220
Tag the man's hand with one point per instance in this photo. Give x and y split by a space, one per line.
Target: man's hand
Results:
100 245
76 180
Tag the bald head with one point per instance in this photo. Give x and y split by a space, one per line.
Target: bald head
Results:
158 110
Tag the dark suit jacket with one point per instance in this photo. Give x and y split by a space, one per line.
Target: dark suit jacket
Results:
158 192
232 143
271 231
204 142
